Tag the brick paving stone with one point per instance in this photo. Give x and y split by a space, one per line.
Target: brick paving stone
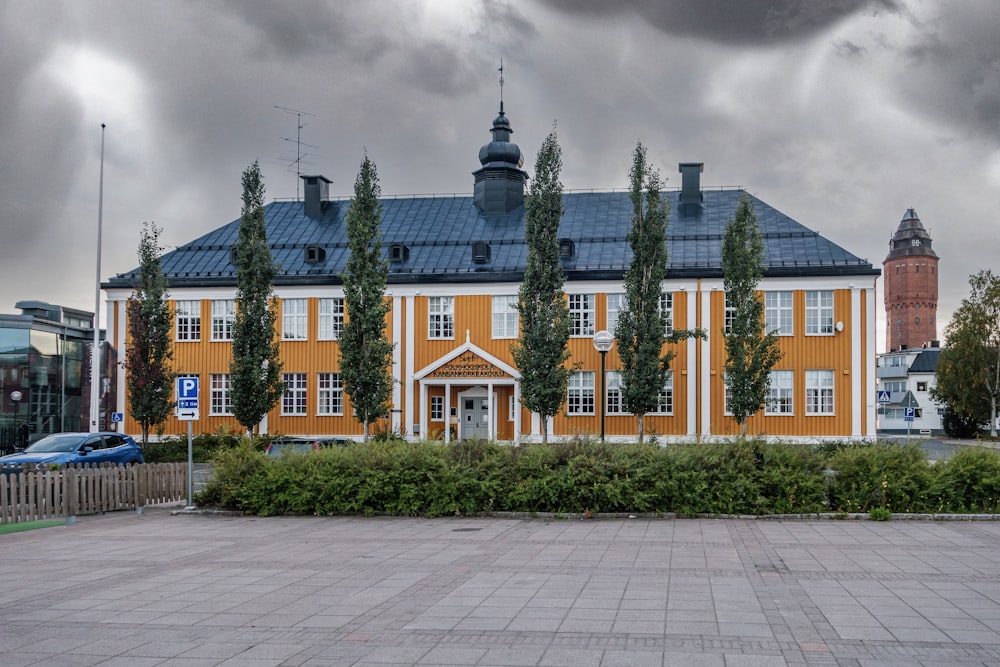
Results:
198 590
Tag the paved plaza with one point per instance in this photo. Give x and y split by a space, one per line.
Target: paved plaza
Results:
163 589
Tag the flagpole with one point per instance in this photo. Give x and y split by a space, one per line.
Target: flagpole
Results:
95 363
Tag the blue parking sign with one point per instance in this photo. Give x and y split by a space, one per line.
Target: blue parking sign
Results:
187 388
908 414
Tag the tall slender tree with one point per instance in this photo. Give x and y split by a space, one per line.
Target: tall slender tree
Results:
149 357
365 350
255 367
641 327
542 349
968 370
751 352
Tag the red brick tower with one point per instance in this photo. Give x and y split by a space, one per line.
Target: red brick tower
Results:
911 286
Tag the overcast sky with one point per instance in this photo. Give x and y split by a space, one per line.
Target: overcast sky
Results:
842 113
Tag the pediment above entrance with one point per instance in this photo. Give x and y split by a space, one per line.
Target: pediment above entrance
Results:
467 361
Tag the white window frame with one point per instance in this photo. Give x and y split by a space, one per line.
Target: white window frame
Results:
437 408
187 314
820 392
616 303
667 311
220 394
295 319
441 318
329 394
295 400
728 315
223 319
580 393
665 400
780 399
331 318
614 403
581 315
779 312
505 316
819 313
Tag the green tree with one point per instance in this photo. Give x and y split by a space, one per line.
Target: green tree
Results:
968 370
641 327
149 356
255 369
751 351
540 353
365 350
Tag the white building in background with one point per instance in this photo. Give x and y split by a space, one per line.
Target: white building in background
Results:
908 377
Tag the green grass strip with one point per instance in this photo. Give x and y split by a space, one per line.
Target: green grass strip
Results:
28 525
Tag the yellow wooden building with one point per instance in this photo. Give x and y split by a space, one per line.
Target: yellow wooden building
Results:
455 269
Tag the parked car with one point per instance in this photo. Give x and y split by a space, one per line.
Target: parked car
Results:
70 448
301 445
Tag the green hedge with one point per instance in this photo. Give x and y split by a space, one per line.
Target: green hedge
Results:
584 476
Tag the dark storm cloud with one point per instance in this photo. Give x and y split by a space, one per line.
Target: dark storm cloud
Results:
741 22
38 128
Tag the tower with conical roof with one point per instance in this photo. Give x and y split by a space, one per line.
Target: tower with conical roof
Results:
911 286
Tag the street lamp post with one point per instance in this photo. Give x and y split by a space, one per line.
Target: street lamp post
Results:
603 342
15 398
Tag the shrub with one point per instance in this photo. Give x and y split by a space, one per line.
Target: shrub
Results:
894 476
174 449
968 482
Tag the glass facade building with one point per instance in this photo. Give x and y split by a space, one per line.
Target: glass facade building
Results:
45 357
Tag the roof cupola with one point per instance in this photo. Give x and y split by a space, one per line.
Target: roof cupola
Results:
499 183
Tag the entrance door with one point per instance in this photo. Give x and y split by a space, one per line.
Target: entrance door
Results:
475 418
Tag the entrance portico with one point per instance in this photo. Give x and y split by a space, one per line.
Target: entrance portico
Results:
466 384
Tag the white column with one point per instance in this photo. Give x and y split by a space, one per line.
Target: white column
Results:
859 397
705 371
870 362
692 366
491 413
424 413
397 386
447 412
517 411
408 373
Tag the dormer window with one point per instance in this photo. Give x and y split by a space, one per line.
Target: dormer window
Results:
480 252
567 249
398 252
314 254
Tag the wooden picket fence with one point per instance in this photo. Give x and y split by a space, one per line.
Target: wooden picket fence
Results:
32 494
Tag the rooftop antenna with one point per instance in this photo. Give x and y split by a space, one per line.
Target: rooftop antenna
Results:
501 85
297 163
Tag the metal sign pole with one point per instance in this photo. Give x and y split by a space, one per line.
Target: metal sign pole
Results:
190 504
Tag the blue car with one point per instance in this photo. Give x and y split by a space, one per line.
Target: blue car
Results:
70 448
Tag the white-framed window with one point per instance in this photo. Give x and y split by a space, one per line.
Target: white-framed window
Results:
329 394
893 385
729 316
437 408
188 314
220 397
819 392
727 396
331 318
293 402
616 304
667 311
819 313
779 400
580 398
779 313
223 319
898 413
505 316
581 314
613 404
294 319
511 408
665 404
441 317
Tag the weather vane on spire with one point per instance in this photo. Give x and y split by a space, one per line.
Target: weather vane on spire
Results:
501 85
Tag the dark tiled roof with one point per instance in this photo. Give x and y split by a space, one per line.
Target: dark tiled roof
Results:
926 362
439 233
